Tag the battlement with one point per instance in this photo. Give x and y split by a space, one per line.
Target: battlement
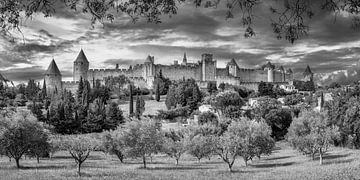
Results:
65 83
108 70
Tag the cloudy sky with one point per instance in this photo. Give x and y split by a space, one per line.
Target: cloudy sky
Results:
329 46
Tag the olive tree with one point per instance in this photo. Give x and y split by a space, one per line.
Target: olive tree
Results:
175 144
142 138
311 135
79 147
200 146
245 138
21 133
112 142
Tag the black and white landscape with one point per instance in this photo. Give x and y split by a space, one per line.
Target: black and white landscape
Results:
179 89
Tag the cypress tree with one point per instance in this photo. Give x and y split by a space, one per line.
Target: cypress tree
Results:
157 93
43 92
137 109
80 90
131 103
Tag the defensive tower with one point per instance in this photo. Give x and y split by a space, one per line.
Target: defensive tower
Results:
81 67
53 78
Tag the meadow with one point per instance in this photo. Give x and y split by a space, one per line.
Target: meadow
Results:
151 106
284 163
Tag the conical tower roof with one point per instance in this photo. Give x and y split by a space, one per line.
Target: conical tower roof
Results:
307 71
185 58
268 65
289 70
232 62
281 68
81 57
149 59
53 69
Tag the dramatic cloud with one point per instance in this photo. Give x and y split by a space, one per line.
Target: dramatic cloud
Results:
330 46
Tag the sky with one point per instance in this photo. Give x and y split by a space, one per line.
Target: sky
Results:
330 45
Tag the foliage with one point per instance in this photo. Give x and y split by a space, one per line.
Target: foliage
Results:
264 105
20 134
175 144
142 138
131 102
112 143
157 93
140 106
289 19
279 120
183 93
211 87
32 90
266 89
174 113
79 147
225 99
294 99
310 133
304 86
244 138
114 117
162 84
208 117
200 146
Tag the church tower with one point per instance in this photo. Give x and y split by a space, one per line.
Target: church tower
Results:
184 62
52 78
81 67
308 74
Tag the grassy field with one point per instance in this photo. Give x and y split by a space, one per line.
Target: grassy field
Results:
151 106
284 163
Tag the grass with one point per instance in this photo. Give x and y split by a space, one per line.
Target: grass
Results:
151 106
284 163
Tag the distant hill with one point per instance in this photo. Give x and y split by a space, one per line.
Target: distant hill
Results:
343 77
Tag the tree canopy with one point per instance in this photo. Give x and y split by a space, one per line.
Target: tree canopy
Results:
289 19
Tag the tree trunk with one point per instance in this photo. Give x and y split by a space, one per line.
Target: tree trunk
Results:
199 160
246 162
79 168
17 160
230 167
321 156
313 156
38 159
177 161
144 161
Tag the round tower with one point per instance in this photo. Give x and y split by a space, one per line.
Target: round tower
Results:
52 78
81 67
270 71
232 68
149 70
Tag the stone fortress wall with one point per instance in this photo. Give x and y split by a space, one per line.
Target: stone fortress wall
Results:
205 70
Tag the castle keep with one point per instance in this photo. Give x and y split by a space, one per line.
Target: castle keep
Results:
203 71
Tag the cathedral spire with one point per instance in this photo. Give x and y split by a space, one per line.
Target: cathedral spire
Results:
184 59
